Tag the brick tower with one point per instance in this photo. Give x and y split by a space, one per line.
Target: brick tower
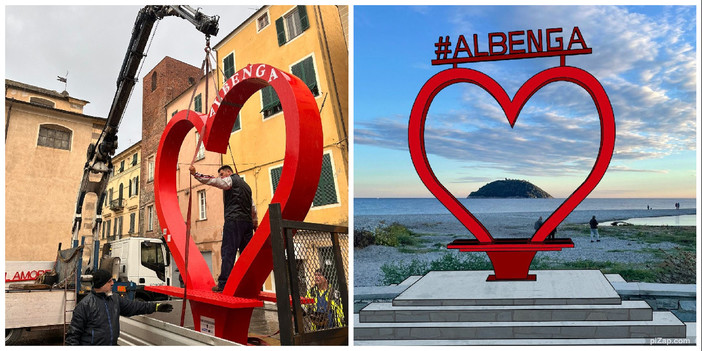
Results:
160 86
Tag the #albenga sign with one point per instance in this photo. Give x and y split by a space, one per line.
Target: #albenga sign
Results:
510 258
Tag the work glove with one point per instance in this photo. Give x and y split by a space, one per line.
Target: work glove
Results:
164 307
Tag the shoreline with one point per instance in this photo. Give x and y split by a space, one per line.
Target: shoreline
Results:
514 224
445 228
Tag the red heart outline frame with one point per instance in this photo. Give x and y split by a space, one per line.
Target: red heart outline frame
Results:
295 192
511 108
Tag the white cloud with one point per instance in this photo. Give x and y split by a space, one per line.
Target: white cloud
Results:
646 65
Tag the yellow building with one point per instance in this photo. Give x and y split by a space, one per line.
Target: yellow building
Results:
120 213
46 138
310 42
315 48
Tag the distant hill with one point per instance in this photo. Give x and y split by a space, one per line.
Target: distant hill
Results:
510 188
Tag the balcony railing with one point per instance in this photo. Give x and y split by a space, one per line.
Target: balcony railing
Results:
118 204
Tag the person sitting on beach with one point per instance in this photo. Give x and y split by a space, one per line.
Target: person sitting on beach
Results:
593 230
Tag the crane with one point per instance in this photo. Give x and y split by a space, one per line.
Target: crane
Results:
98 165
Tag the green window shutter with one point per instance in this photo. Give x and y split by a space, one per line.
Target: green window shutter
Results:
198 103
228 66
305 71
304 21
275 177
269 98
326 190
130 188
136 187
298 71
132 221
266 97
280 28
310 76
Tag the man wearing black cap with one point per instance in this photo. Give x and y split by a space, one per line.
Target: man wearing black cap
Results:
96 317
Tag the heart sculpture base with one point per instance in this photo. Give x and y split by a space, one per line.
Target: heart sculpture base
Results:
511 258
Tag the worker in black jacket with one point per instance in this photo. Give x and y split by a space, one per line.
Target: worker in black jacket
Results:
96 317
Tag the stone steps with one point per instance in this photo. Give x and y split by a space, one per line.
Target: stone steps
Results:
387 313
560 307
663 324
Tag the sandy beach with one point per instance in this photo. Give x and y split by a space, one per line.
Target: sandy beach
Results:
445 228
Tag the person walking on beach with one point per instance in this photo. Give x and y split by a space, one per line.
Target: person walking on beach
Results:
553 234
593 230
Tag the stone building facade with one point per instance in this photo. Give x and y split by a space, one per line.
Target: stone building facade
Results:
46 138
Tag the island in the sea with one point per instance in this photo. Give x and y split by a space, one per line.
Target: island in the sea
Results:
510 188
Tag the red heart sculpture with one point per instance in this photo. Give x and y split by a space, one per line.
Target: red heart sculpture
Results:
511 109
295 192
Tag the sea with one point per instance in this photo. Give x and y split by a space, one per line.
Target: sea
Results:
430 206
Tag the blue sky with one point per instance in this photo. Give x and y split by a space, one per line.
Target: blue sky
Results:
643 56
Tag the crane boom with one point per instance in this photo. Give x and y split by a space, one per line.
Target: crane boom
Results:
98 165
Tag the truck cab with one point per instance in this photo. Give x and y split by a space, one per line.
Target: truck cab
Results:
143 261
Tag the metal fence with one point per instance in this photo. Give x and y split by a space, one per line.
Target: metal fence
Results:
311 277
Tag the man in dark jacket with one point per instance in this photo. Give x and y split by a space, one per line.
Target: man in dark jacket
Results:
240 217
96 317
594 234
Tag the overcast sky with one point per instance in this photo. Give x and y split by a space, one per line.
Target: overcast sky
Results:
89 42
645 57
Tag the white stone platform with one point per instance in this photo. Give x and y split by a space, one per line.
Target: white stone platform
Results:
470 288
560 307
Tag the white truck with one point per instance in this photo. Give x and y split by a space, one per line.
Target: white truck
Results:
141 261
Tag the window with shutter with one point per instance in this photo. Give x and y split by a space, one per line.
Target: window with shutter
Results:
228 64
305 71
275 177
132 222
326 190
280 28
198 103
292 24
271 103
